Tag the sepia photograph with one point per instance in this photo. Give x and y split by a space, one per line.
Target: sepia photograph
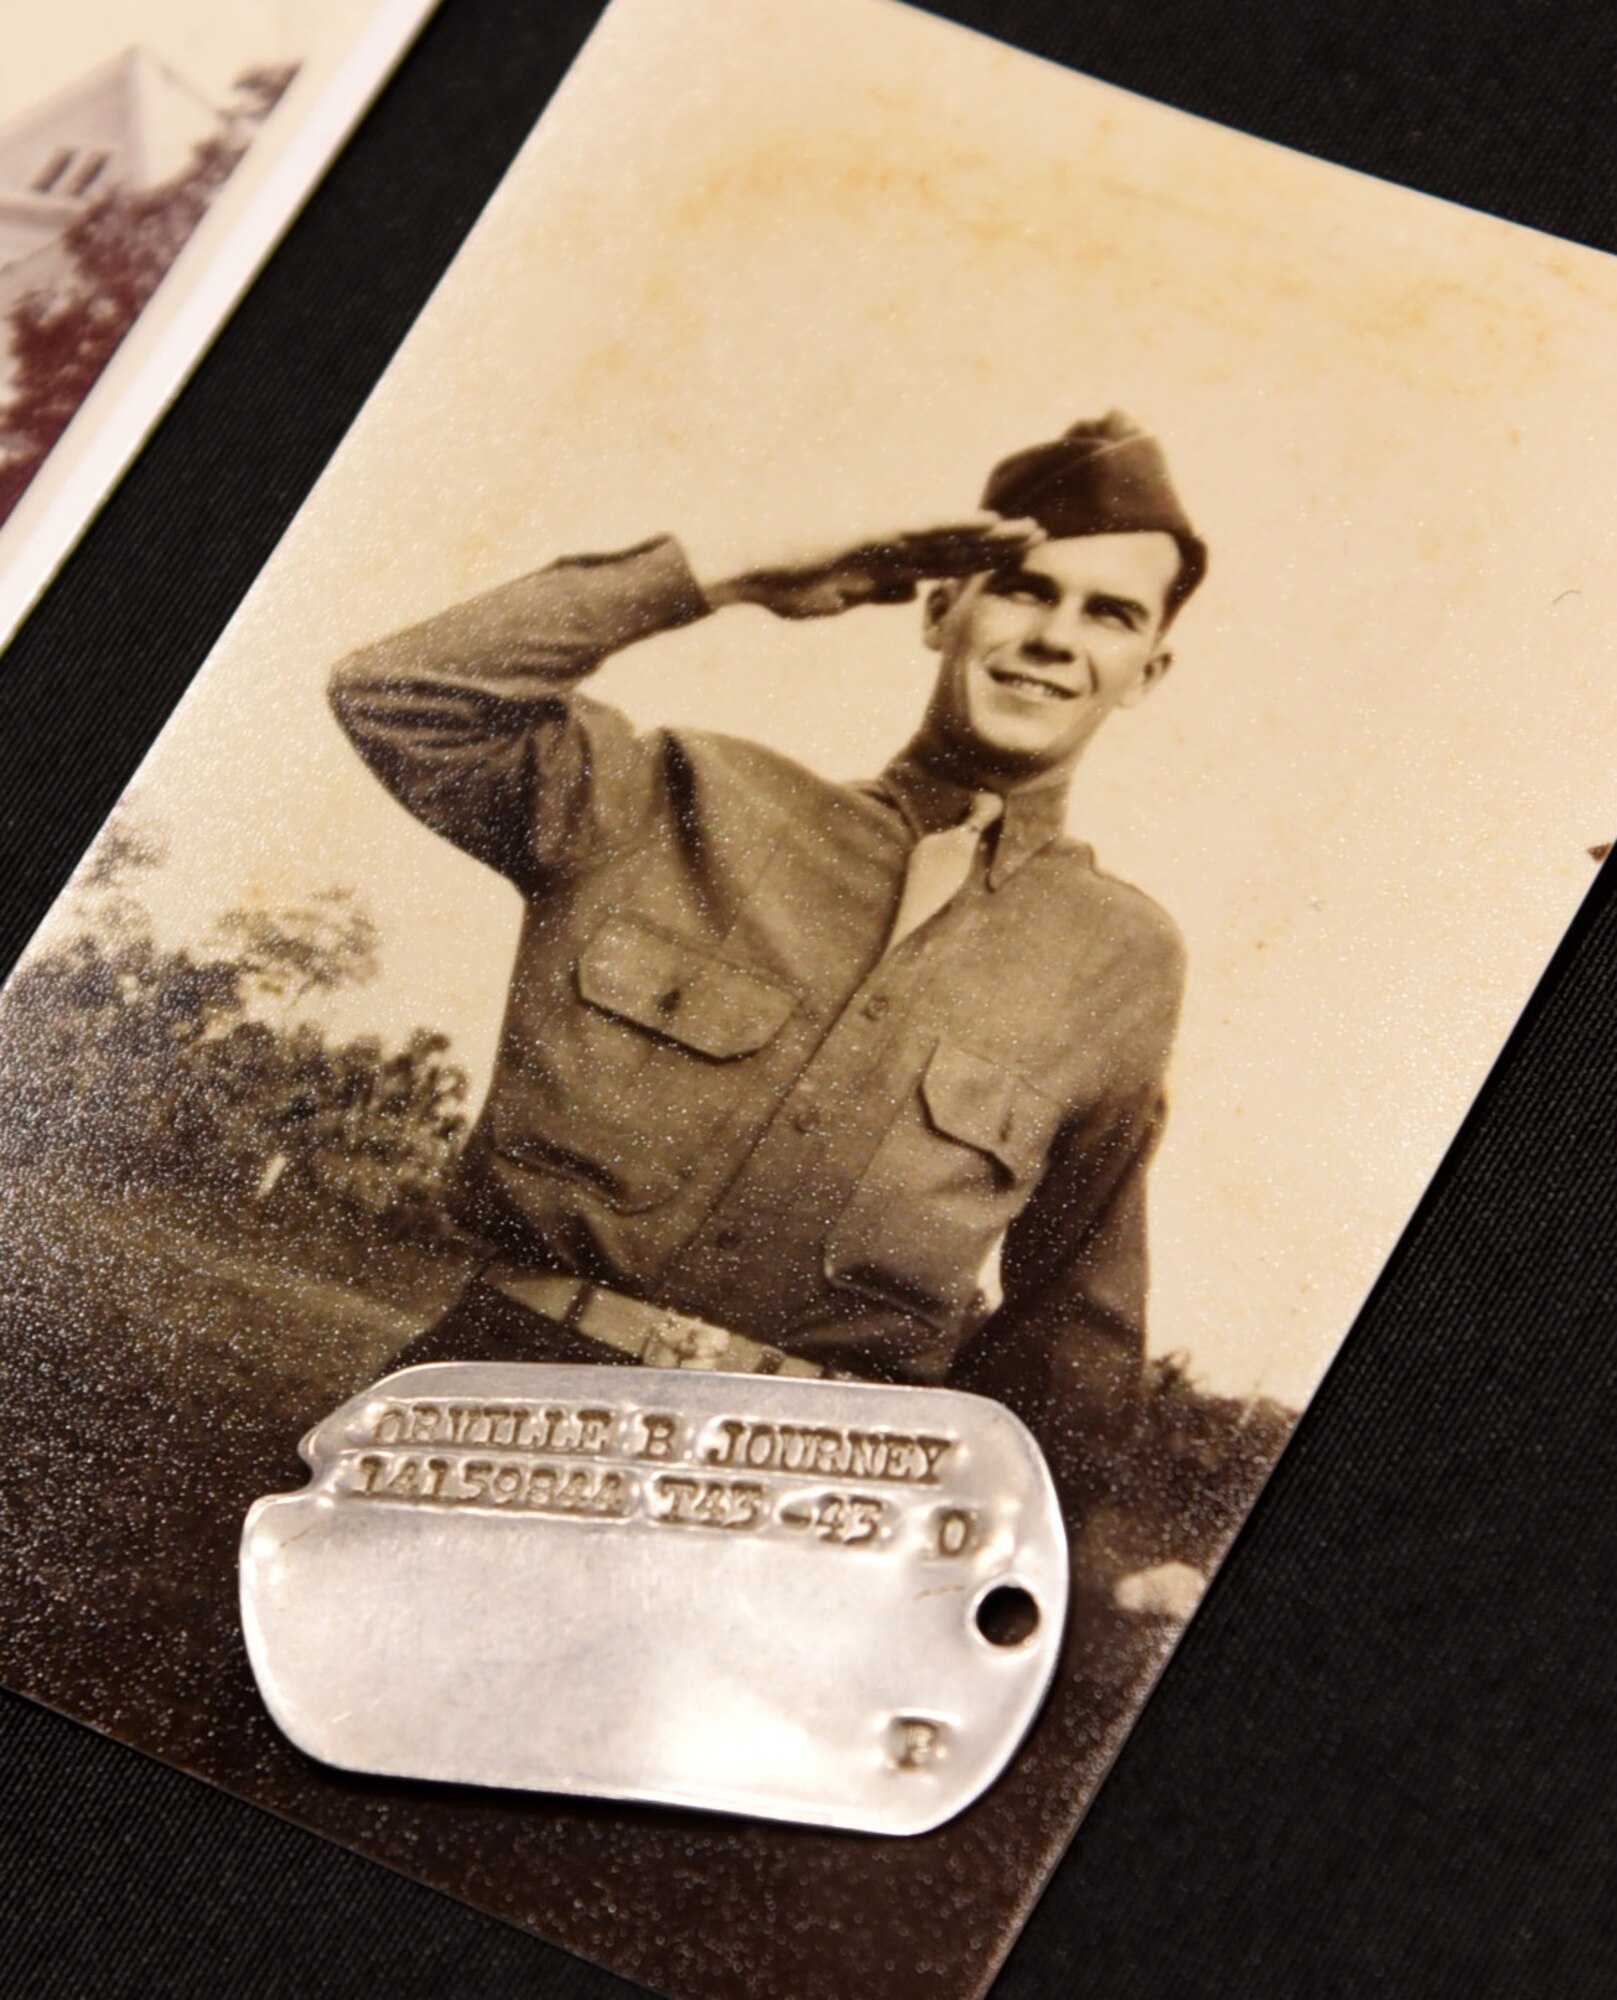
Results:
924 742
125 126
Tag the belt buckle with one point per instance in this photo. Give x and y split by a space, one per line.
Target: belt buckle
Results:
680 1340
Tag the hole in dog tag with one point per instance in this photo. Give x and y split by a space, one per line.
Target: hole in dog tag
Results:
1008 1615
798 1599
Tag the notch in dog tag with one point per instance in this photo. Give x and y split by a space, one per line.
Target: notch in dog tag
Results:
833 1602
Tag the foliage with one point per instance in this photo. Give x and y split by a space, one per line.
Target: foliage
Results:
287 954
119 251
133 1061
1209 1454
1175 1479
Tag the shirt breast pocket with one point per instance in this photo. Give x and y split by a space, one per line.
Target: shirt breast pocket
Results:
648 1068
951 1173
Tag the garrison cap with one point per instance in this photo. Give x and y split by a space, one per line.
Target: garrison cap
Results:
1105 477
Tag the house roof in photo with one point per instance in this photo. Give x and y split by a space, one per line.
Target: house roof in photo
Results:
130 122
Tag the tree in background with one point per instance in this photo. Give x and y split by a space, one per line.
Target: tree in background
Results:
288 953
136 1063
120 250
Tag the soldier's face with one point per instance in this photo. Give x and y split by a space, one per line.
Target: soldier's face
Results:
1033 660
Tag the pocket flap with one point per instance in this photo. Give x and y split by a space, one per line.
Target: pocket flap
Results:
971 1099
677 990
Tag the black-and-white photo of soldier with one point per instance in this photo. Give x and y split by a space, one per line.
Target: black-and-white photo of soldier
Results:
799 1076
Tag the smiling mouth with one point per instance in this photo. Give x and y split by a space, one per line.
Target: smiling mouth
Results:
1031 685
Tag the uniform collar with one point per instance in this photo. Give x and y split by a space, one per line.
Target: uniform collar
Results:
930 800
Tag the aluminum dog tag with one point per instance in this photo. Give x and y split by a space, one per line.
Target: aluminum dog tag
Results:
806 1600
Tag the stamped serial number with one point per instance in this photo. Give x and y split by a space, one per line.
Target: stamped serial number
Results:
534 1486
523 1484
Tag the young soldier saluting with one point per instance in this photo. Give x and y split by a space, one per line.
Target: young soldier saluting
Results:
799 1076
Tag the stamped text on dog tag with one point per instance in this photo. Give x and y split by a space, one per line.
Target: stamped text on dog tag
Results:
808 1600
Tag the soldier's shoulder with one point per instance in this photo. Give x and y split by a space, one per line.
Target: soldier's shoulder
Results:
1128 910
770 776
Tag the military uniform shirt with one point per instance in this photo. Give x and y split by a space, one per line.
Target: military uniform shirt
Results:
713 1089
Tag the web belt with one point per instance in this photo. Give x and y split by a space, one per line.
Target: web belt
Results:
656 1336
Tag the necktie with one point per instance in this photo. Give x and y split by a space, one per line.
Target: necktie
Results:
939 864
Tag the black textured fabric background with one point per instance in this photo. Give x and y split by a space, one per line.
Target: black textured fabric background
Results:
1381 1761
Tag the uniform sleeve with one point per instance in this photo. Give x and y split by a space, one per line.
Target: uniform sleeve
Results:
1066 1350
472 720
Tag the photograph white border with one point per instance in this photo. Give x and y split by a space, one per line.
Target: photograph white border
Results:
229 247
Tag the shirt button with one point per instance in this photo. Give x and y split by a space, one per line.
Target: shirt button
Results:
876 1006
806 1117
